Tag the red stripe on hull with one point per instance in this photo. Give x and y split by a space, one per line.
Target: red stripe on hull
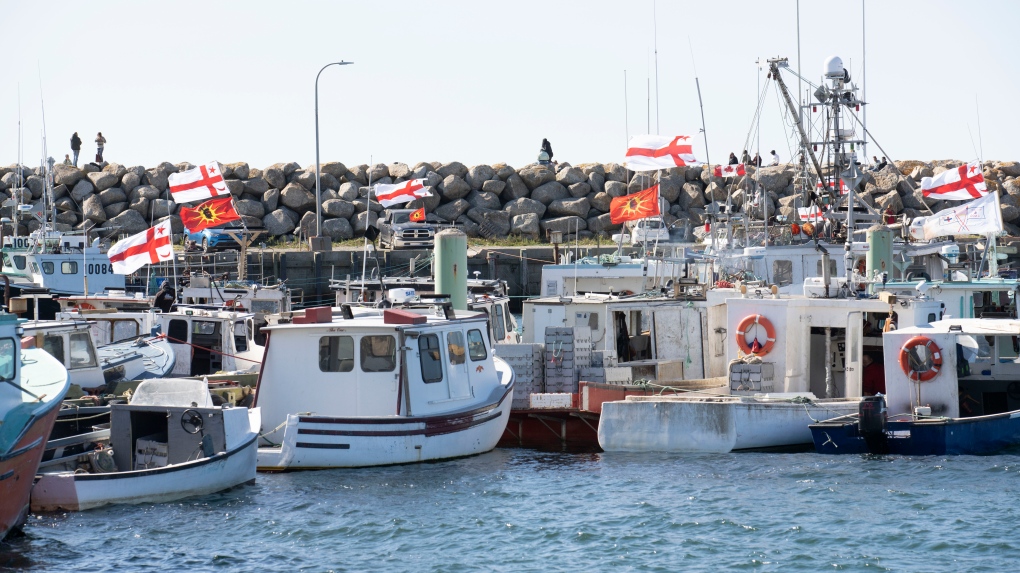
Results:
17 472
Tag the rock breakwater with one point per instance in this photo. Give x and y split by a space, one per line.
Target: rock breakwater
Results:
491 201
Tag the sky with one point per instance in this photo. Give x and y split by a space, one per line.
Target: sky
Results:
484 82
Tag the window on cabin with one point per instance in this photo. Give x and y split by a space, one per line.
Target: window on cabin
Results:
1009 348
378 353
259 336
205 327
336 353
9 351
455 347
47 267
476 346
240 340
782 272
177 331
124 329
832 268
19 262
53 344
81 352
498 322
69 267
431 359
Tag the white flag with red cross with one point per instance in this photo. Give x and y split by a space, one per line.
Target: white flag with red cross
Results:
812 213
963 183
651 152
729 170
833 181
145 248
198 184
978 217
396 194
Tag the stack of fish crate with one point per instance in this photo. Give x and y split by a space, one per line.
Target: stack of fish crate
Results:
526 361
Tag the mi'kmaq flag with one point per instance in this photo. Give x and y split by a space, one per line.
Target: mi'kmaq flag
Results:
978 217
833 181
212 213
729 170
651 152
202 182
636 206
396 194
148 247
963 183
812 213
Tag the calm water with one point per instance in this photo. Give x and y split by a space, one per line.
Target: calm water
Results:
520 510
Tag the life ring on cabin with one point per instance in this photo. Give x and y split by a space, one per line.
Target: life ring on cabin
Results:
86 306
770 335
933 350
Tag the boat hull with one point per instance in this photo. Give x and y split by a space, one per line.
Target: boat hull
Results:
712 425
67 491
980 435
18 466
316 442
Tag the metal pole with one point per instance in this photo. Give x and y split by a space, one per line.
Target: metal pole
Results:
318 186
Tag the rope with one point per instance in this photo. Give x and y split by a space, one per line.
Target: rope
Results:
524 258
172 339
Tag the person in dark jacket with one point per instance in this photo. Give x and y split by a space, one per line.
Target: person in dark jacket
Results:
75 147
545 155
733 159
166 297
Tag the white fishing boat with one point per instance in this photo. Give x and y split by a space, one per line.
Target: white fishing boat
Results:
169 443
378 386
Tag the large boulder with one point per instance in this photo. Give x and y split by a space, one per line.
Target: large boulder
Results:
82 189
114 209
235 186
602 224
66 175
515 188
250 208
130 180
398 170
338 229
161 207
454 187
615 172
348 191
35 184
430 203
525 205
140 204
239 170
334 168
274 177
478 175
570 176
535 176
146 191
562 207
278 223
483 200
891 199
103 180
525 224
566 225
491 224
361 221
454 168
494 186
128 222
600 201
304 178
338 208
691 196
616 188
549 192
58 192
669 187
452 210
157 178
116 169
92 209
256 186
271 200
297 197
579 189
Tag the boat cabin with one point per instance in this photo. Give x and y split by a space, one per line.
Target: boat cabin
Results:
70 342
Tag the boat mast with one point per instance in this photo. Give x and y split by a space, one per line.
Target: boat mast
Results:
655 44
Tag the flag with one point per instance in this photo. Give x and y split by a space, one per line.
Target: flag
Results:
418 216
964 182
976 217
650 152
149 246
812 213
832 181
729 170
212 213
388 195
196 184
637 206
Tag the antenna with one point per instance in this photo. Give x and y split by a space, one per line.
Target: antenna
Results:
981 147
655 40
626 111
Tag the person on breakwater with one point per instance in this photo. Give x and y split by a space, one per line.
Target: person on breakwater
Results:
75 147
775 158
545 155
733 158
67 159
100 144
756 161
745 158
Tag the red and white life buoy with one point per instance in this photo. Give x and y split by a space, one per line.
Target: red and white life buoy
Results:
745 325
933 350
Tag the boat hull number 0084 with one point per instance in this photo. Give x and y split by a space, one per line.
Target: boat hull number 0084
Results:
99 269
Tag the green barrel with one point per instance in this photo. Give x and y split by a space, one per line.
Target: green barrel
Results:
451 266
880 251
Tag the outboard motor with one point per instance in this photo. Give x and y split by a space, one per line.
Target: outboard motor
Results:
872 412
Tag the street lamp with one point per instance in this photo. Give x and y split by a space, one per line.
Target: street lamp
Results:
316 244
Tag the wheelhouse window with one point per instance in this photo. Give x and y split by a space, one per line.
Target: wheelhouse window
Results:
832 268
124 329
8 355
476 345
47 267
455 348
336 353
431 359
378 353
240 340
782 272
81 351
53 344
19 262
205 327
69 267
177 331
498 323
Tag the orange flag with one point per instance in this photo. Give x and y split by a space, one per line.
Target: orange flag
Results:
209 214
637 206
418 216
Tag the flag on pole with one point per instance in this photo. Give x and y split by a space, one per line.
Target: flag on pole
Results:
962 183
833 182
389 195
812 213
212 213
196 184
729 170
651 152
636 206
149 246
976 217
418 216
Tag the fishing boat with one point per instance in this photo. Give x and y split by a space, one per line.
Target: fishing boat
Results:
168 443
32 386
368 386
951 388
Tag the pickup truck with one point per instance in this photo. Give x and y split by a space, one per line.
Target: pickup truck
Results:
397 231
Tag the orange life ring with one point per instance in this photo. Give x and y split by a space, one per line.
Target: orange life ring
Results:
86 306
936 359
745 325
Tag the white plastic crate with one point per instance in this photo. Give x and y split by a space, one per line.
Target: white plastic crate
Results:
551 400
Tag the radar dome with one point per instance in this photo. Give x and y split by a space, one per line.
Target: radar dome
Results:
834 67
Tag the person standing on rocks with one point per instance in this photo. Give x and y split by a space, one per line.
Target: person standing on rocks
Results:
75 147
100 144
545 155
733 158
745 158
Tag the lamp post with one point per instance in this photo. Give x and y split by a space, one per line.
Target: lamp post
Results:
316 243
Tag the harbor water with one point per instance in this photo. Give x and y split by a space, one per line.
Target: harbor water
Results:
522 510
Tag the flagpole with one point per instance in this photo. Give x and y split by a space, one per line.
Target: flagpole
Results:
368 219
318 184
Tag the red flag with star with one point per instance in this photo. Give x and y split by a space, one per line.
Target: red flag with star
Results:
212 213
196 184
637 206
963 183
